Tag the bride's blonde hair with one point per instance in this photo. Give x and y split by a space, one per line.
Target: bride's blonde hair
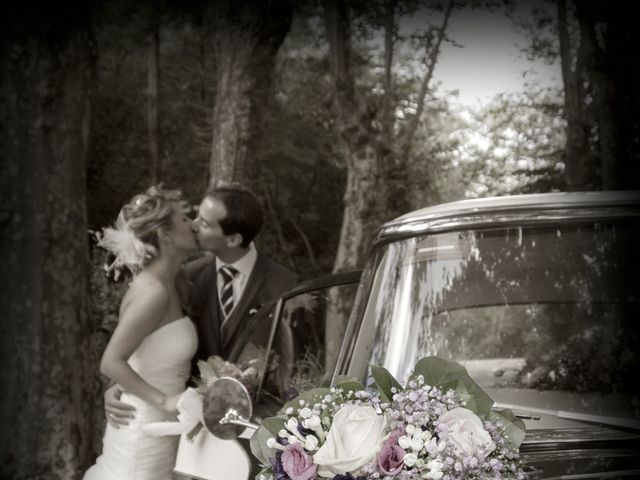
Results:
149 212
134 240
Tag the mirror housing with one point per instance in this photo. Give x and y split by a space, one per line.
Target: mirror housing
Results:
227 408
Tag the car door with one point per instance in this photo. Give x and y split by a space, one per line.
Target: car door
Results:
306 333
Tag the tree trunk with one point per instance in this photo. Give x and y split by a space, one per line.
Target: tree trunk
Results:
613 69
601 77
49 368
358 131
247 36
577 153
152 97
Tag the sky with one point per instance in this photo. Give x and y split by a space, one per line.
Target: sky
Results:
490 61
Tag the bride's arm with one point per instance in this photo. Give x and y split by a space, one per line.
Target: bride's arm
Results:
142 308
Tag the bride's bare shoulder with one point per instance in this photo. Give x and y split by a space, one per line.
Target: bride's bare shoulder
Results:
145 288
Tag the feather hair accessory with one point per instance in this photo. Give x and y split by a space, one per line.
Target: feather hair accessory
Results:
130 251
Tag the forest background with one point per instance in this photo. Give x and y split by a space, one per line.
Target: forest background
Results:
327 109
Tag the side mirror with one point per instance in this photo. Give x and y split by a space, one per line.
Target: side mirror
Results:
227 408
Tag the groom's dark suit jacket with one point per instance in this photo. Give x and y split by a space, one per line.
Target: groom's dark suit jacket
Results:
267 281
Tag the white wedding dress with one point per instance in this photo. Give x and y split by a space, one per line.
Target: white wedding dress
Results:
163 359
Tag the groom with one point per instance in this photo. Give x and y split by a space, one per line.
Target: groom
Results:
229 285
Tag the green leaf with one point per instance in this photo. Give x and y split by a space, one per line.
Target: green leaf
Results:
311 397
345 379
348 384
515 428
447 374
384 382
268 428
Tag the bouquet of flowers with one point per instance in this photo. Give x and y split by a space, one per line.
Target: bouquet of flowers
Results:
215 367
439 426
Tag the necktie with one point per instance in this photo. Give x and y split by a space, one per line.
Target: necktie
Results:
226 293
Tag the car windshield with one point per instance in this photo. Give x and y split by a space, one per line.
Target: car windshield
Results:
526 309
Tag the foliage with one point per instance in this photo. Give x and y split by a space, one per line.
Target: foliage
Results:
516 144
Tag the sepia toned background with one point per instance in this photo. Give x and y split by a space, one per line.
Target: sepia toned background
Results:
339 114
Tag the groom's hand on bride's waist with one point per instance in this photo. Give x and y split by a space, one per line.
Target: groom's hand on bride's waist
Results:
118 413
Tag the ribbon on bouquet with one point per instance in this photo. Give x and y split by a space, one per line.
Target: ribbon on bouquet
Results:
189 415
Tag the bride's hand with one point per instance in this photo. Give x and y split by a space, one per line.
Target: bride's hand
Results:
170 403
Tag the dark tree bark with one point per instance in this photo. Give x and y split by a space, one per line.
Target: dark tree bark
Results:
247 36
577 152
358 130
601 77
153 80
614 67
49 368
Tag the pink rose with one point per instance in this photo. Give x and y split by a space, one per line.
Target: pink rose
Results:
297 463
391 455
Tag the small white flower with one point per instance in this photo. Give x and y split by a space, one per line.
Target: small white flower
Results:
305 412
426 436
312 422
283 433
419 463
272 443
410 429
417 445
311 443
289 411
433 475
410 459
293 440
404 442
435 469
292 424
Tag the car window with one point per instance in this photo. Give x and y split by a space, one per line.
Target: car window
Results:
306 342
552 309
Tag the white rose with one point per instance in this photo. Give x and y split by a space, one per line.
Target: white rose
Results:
354 439
465 431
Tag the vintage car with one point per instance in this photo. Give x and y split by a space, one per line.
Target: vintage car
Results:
536 295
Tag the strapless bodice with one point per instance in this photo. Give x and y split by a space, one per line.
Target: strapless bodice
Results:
163 358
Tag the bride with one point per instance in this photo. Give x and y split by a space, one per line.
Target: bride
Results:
149 354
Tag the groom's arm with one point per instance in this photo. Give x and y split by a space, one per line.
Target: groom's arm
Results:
118 413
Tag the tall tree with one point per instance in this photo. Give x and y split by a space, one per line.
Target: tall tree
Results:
247 36
601 75
578 157
48 363
358 127
153 78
